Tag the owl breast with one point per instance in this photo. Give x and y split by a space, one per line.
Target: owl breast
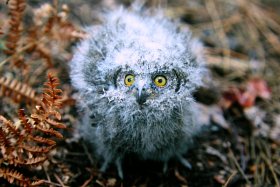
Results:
149 133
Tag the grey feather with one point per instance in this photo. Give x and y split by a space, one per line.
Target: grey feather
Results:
161 124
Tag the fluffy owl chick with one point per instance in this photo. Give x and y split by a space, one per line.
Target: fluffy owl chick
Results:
135 74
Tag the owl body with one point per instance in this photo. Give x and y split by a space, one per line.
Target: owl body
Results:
135 74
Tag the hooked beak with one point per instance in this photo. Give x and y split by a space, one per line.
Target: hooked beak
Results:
142 94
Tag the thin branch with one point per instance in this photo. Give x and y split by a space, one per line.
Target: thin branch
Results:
59 180
230 178
270 166
231 155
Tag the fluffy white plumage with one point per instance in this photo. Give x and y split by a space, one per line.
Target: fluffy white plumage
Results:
154 122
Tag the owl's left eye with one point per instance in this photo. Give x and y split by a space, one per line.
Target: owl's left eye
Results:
129 80
160 81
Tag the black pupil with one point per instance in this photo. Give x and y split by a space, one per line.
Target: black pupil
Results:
128 79
160 80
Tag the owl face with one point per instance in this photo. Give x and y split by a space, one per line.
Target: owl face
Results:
143 88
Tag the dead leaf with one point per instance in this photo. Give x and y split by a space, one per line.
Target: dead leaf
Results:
246 97
259 87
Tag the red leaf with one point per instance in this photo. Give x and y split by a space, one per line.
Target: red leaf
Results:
247 99
256 87
259 87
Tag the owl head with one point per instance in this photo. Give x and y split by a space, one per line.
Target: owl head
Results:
139 63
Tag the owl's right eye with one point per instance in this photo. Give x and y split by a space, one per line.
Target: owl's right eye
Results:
129 80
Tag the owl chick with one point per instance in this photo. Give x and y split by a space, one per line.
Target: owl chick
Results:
135 74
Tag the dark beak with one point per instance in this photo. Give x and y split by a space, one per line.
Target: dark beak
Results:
141 97
142 93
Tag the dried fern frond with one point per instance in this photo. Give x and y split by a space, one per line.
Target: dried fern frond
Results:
37 149
52 95
13 176
7 125
46 115
42 140
3 140
16 8
34 161
53 26
50 29
29 142
57 26
17 91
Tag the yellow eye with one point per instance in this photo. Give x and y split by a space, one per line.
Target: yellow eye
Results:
129 80
160 81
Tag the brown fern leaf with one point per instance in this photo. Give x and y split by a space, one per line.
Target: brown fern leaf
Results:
31 184
31 161
45 112
52 95
55 113
3 140
50 104
22 161
51 101
16 8
13 176
37 183
30 147
5 144
17 91
24 121
50 131
9 126
55 124
37 149
42 140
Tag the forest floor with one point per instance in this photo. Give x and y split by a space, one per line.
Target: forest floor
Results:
240 102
